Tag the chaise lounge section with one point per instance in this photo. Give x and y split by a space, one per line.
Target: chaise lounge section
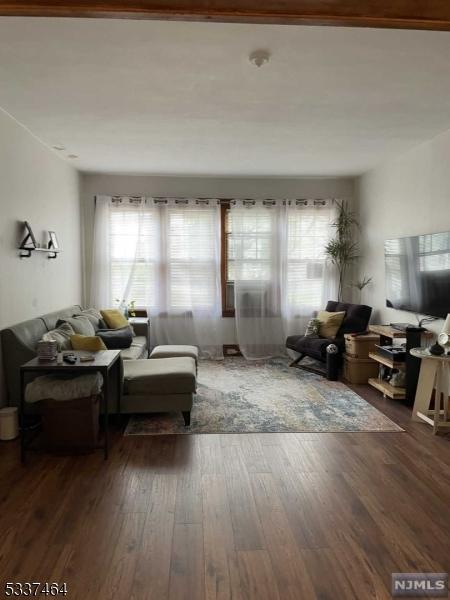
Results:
159 385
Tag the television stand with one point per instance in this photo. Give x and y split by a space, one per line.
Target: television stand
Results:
401 326
411 365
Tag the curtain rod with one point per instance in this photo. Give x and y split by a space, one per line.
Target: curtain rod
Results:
221 200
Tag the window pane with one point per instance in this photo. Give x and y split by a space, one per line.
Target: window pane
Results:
133 250
308 232
192 258
249 240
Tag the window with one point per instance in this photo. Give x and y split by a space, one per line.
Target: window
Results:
164 257
134 255
192 239
248 249
308 233
250 240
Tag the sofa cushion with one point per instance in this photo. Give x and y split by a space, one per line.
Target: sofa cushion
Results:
51 319
159 376
93 315
357 316
138 349
81 325
168 351
116 339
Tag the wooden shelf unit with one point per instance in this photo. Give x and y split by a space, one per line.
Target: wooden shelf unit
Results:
387 333
396 393
387 362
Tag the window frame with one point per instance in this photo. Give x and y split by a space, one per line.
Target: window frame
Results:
224 207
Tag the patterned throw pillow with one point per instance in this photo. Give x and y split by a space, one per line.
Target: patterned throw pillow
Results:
61 335
81 325
312 329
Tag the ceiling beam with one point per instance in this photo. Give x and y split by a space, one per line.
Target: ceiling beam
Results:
401 14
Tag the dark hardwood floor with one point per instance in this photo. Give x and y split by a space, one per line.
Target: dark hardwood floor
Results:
260 516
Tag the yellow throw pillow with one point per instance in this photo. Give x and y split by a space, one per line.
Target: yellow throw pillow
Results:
90 343
114 318
330 323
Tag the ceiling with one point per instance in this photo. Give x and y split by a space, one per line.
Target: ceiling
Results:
182 98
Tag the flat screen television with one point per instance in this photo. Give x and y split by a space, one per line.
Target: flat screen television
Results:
418 274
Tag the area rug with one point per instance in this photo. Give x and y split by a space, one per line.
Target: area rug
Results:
239 396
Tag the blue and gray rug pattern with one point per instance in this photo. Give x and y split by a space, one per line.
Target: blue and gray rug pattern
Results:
239 396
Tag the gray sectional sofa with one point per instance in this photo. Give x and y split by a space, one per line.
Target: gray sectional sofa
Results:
19 345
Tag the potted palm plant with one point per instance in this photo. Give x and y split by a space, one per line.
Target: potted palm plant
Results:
342 250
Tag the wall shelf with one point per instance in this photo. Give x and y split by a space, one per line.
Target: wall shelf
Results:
26 252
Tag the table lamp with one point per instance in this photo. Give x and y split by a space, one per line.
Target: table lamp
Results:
444 337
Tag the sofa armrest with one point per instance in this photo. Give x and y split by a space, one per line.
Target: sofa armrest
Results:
140 328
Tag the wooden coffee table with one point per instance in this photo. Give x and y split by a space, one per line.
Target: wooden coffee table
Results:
106 362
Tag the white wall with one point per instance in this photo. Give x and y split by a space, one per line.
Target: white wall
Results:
37 186
93 184
406 196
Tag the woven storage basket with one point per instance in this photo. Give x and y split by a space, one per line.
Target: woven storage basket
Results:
71 425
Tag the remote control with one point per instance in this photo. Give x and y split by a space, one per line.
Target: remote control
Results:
70 359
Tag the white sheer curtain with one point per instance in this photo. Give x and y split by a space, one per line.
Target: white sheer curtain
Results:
281 276
309 280
165 255
255 248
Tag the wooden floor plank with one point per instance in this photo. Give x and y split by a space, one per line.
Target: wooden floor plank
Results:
231 517
289 568
124 558
246 524
220 573
256 574
186 567
151 577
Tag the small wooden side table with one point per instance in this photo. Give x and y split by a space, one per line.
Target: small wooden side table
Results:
106 362
434 372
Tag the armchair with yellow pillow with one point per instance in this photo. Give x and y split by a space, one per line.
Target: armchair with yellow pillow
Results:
329 327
